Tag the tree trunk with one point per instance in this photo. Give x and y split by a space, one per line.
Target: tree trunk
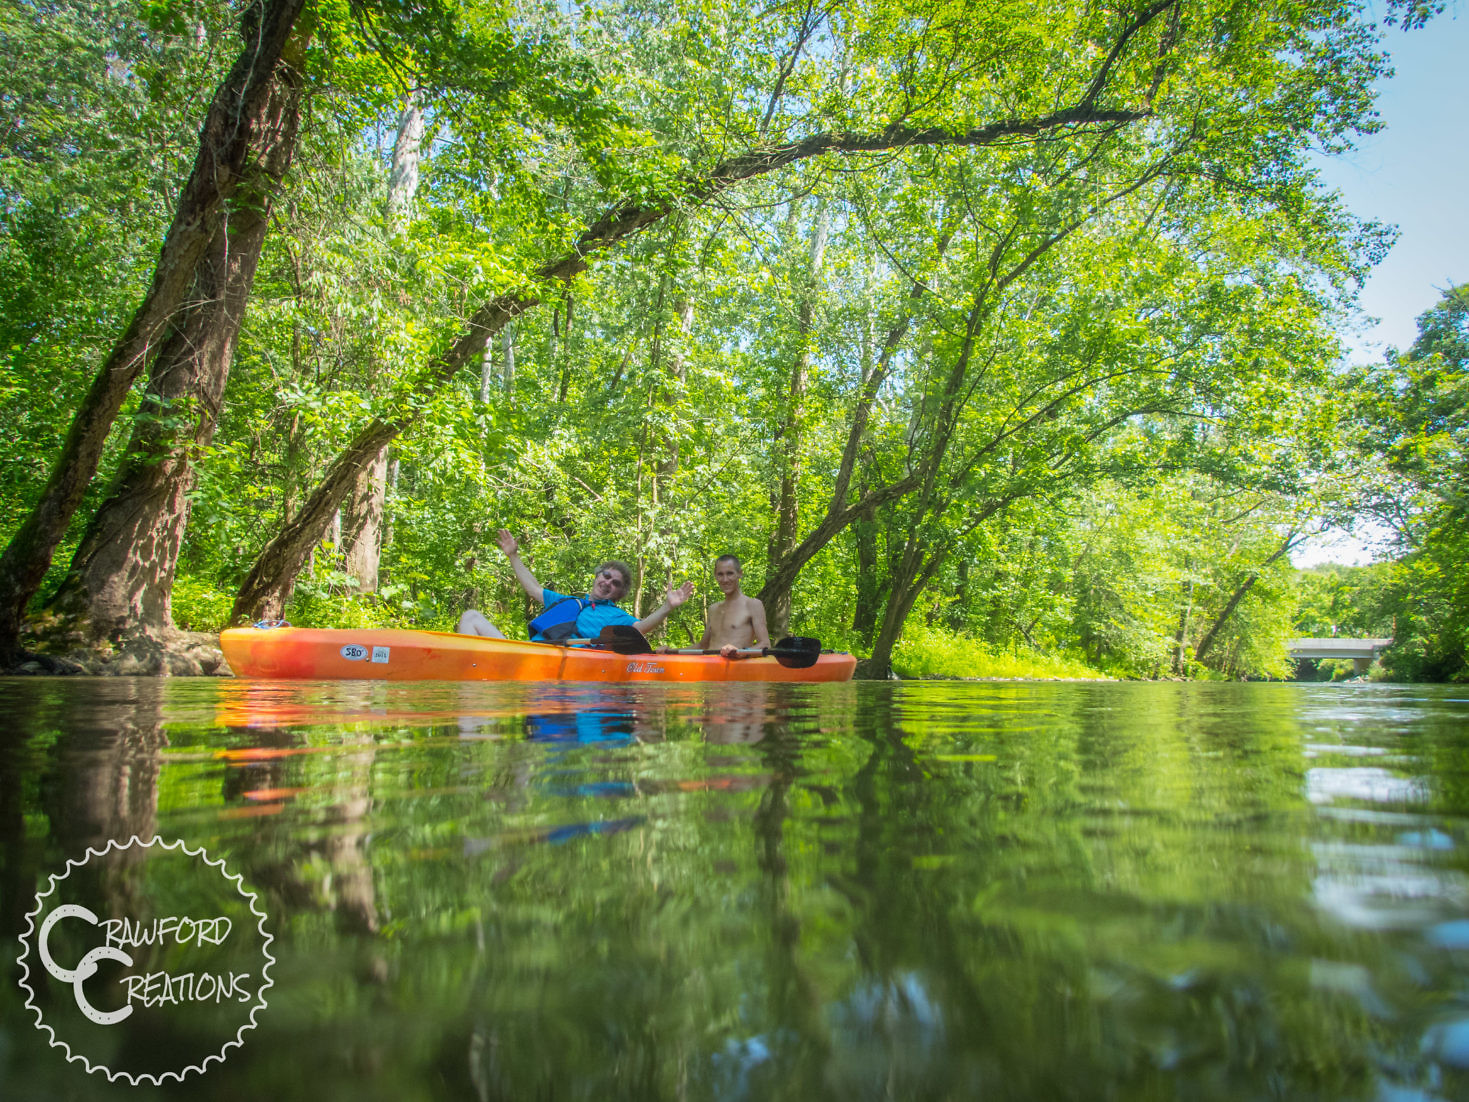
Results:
387 540
790 444
871 582
507 361
403 176
121 577
1206 644
362 524
911 575
1180 637
363 511
228 141
487 372
909 581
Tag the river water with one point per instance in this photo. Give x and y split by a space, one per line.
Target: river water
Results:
903 890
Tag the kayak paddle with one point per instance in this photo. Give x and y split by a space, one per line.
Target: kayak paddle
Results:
623 639
796 652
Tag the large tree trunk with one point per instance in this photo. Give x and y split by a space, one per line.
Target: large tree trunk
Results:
121 577
231 126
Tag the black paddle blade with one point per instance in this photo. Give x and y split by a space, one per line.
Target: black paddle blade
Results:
623 639
796 652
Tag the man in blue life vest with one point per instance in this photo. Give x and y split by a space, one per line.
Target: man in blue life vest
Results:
580 617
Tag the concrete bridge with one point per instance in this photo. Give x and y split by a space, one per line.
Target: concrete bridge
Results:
1362 652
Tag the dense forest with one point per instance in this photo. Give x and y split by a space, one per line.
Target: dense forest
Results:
1005 328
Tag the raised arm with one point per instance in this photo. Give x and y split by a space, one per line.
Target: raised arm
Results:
523 575
675 598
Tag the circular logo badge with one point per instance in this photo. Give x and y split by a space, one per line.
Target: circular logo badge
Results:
146 961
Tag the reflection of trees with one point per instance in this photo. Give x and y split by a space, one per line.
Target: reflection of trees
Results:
928 891
103 783
17 780
795 998
320 865
890 1030
98 783
326 867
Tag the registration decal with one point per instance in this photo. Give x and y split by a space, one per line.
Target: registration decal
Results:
379 654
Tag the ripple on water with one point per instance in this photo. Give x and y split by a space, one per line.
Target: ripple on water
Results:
1326 749
953 890
1325 785
1448 1042
1450 935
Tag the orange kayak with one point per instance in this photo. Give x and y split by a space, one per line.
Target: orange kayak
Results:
387 654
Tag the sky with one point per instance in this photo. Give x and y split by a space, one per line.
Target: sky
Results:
1414 174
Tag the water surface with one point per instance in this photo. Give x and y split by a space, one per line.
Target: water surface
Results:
917 890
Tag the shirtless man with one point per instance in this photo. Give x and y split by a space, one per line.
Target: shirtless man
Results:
737 621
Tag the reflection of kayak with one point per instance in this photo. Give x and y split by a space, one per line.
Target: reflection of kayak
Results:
397 655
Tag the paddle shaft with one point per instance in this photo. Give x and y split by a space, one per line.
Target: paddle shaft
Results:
796 652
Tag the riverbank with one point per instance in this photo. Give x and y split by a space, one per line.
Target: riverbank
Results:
926 654
923 654
51 648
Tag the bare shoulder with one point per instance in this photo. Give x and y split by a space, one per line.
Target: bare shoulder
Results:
751 611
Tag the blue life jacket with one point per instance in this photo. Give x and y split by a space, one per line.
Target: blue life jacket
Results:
558 621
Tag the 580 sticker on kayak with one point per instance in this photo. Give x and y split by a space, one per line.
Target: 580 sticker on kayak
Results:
356 652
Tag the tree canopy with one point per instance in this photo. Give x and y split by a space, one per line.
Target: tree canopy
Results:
1015 319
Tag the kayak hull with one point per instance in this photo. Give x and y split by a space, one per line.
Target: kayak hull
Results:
388 654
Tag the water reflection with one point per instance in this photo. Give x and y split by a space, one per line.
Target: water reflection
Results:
766 891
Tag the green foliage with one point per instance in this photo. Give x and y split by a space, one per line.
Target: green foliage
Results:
1350 601
1415 421
198 605
1066 394
326 596
926 652
97 123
